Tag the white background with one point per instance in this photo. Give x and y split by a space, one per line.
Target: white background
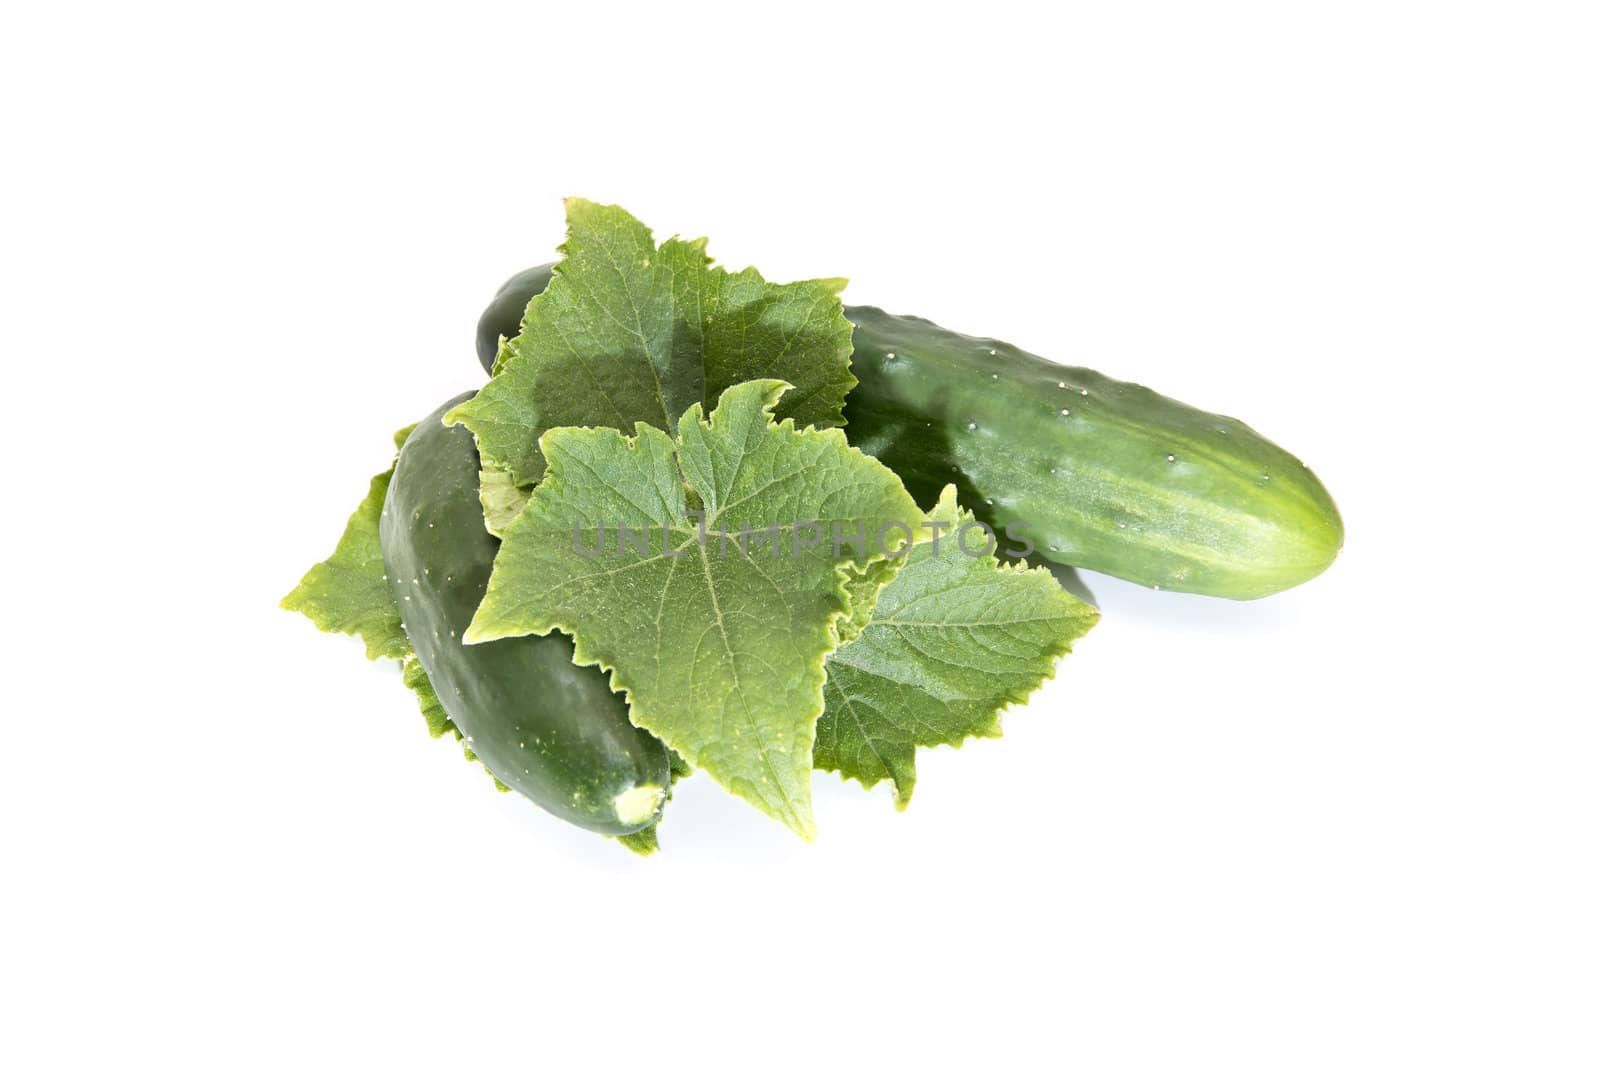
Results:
1356 823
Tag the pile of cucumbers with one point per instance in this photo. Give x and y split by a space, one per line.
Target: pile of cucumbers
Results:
1093 472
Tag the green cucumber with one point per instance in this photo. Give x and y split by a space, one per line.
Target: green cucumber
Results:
1097 473
503 316
542 725
1093 472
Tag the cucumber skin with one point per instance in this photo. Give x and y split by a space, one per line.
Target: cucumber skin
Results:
542 725
1230 515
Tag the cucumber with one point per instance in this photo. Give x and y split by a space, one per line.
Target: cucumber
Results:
542 725
1097 473
1093 472
503 316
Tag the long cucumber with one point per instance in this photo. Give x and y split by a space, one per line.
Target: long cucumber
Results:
547 728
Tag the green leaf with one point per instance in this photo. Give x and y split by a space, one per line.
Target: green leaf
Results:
347 593
642 842
413 675
629 332
862 587
502 499
720 653
952 640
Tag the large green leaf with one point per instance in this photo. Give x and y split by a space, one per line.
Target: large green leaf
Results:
719 652
953 638
630 332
